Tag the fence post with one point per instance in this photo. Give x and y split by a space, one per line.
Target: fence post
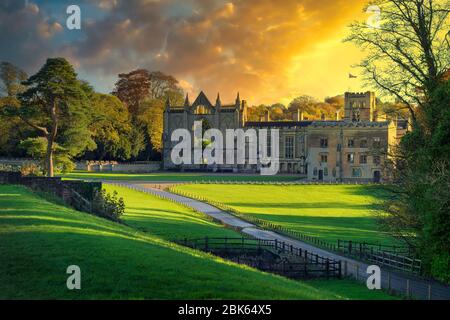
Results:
389 281
407 289
306 255
327 267
283 246
357 272
292 249
429 291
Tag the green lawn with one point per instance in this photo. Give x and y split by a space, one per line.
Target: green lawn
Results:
178 176
329 212
166 219
39 239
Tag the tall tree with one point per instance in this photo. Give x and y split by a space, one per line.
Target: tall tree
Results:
145 92
12 131
55 105
152 116
408 57
110 127
132 88
138 85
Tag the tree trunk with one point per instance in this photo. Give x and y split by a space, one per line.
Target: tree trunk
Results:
49 157
51 139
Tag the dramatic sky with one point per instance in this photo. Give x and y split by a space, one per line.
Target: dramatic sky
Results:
268 50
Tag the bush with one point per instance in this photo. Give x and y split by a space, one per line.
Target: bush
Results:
9 168
440 267
108 206
37 149
30 169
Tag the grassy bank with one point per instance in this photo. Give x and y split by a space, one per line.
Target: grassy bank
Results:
40 239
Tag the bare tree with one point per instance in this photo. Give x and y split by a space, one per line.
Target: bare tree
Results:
408 52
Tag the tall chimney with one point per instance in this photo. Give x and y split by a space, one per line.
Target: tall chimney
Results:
297 115
267 116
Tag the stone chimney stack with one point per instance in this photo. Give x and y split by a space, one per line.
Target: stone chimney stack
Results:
338 117
167 106
267 116
297 115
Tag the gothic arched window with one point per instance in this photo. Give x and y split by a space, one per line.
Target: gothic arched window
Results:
201 109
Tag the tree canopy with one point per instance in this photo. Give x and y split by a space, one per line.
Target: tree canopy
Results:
407 59
55 105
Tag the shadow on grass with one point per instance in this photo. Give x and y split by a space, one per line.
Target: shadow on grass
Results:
303 205
331 228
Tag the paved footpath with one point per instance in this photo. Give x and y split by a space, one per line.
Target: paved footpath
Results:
407 285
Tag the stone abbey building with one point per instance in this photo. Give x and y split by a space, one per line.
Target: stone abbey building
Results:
351 149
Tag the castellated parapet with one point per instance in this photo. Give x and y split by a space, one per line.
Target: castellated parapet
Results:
360 106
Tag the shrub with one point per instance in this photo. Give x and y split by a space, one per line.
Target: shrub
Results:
9 168
440 267
30 169
108 206
37 149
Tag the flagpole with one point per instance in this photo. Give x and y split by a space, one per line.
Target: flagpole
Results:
350 76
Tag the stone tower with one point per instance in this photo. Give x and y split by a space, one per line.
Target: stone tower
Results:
360 106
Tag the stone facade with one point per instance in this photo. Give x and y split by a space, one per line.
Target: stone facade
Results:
352 149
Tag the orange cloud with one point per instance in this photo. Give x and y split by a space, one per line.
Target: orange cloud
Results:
269 50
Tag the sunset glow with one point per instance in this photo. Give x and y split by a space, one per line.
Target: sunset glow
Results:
270 51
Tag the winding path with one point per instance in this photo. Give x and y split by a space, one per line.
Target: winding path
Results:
404 284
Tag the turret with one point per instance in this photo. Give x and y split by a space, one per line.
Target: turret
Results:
238 101
186 102
167 108
218 102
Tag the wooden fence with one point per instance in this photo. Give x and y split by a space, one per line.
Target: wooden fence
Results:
260 222
311 265
396 257
399 258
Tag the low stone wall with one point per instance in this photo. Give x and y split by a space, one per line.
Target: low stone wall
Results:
132 167
68 190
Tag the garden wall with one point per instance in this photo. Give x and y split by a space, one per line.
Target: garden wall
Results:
113 166
75 193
